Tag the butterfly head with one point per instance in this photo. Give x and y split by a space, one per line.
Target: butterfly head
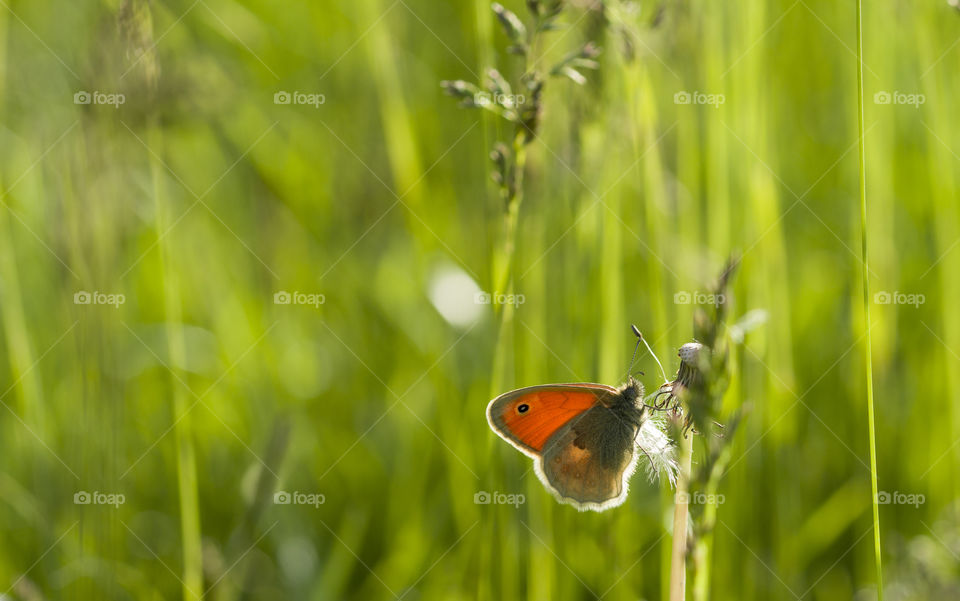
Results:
632 390
629 403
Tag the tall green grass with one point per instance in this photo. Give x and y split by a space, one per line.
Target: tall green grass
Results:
865 277
373 398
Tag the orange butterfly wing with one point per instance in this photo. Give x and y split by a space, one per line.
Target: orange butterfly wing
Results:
528 417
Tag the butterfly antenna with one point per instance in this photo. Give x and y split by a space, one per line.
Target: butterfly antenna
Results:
635 349
640 339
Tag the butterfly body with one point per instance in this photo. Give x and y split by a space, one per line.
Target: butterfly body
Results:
580 436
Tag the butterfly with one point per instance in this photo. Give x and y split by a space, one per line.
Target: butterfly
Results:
582 438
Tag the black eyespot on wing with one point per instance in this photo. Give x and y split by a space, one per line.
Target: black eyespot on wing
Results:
523 408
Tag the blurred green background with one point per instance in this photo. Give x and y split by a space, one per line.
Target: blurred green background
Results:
158 391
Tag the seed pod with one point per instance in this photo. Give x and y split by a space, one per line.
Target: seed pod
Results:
512 25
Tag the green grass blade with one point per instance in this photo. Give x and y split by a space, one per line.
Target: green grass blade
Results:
865 274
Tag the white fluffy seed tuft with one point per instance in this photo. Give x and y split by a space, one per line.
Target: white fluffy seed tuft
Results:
660 452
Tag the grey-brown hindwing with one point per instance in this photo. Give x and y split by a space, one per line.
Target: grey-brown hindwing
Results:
586 459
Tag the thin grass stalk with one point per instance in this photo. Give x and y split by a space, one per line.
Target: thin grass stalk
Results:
704 545
612 311
767 252
720 214
403 154
678 554
484 44
504 267
615 242
944 212
138 26
504 258
503 278
688 233
537 567
186 453
21 355
483 24
865 275
644 137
